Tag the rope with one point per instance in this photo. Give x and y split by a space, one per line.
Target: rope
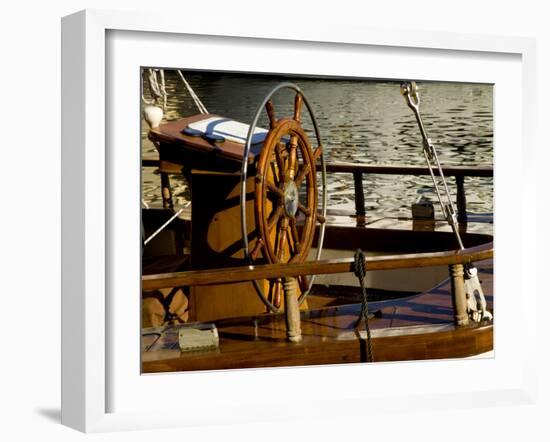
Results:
157 89
359 271
163 90
161 228
410 92
170 317
196 99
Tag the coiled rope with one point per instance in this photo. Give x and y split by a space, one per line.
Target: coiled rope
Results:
359 271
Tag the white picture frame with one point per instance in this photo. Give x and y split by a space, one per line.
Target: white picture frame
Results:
90 315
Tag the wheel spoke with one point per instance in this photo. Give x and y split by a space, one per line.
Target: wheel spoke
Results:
290 245
274 218
274 171
303 282
280 160
293 157
256 249
305 210
271 114
317 153
274 189
282 241
295 236
283 152
301 174
297 106
277 289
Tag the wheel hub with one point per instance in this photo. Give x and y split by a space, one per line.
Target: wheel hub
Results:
285 184
291 198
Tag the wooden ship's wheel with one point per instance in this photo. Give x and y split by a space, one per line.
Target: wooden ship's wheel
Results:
285 194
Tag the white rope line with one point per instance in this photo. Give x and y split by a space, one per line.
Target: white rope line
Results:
172 218
196 99
163 90
157 90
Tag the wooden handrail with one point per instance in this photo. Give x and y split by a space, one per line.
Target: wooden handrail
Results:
477 171
459 172
357 170
270 271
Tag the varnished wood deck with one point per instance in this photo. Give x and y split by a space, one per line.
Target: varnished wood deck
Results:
413 328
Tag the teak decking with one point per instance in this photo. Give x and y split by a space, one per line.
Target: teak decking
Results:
412 328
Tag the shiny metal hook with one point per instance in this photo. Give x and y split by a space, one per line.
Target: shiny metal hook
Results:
410 91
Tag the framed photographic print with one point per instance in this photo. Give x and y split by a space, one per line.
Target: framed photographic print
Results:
304 202
253 212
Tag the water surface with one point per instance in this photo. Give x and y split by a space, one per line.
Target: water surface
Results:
360 121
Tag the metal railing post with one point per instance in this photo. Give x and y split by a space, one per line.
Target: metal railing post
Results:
359 198
461 199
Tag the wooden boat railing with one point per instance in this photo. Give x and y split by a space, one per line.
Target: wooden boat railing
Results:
454 259
358 170
458 172
324 267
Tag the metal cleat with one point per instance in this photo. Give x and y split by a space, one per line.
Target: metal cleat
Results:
477 305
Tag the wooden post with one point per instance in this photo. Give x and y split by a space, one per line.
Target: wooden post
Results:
459 294
461 199
167 202
292 311
359 198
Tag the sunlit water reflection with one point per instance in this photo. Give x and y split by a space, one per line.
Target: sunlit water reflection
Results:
361 122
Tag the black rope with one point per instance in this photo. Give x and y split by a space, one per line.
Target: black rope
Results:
359 271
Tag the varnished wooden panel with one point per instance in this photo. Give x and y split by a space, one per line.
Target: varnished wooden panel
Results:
216 242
